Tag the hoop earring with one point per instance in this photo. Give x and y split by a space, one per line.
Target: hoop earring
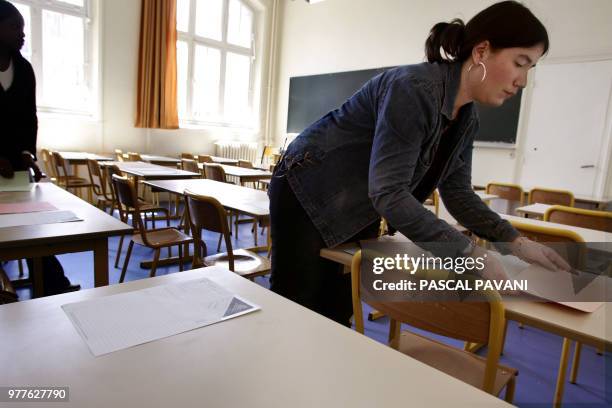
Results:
484 67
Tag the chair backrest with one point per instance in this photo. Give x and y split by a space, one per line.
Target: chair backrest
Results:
190 165
61 169
119 155
479 321
214 172
110 171
245 163
97 179
204 158
267 153
579 217
127 198
47 158
187 156
507 191
550 196
133 156
7 292
207 213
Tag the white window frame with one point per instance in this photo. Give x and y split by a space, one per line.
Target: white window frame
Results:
224 47
36 41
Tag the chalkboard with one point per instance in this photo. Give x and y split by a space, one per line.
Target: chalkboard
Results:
311 97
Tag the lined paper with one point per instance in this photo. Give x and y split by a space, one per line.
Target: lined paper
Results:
117 322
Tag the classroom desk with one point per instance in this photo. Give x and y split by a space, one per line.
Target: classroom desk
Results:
486 197
243 174
160 160
224 160
281 356
597 202
149 171
80 158
244 200
33 241
589 235
533 210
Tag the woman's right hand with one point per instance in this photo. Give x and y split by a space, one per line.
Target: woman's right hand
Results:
6 168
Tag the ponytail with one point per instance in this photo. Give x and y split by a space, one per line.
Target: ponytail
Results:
445 41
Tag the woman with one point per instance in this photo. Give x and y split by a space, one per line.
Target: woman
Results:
19 124
405 133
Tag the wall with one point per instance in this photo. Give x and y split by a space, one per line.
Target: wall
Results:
117 34
343 35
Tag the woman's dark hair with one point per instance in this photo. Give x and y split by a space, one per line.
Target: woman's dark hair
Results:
7 10
506 24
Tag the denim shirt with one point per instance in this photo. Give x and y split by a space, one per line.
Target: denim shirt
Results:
365 159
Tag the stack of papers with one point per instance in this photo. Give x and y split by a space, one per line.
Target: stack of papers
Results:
19 182
125 320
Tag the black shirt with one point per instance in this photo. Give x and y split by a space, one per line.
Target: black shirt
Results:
18 121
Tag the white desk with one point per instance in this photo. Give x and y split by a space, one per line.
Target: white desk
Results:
281 356
533 210
589 235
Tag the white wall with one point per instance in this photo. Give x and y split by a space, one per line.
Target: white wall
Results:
117 33
343 35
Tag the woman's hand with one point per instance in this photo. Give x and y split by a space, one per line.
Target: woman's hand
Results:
536 253
6 169
493 268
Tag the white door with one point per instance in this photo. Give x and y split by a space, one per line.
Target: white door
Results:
568 131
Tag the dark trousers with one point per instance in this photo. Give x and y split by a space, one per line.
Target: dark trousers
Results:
53 275
298 272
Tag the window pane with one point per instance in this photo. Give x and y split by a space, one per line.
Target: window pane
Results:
237 80
240 24
182 15
182 62
209 16
26 50
206 72
63 60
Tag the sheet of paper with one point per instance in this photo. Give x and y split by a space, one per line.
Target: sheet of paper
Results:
35 218
19 182
25 207
125 320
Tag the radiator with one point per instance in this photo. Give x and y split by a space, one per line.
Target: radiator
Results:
238 151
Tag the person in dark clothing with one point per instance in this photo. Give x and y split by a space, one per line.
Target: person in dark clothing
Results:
19 123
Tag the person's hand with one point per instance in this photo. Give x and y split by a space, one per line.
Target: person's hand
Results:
535 253
29 162
493 269
6 168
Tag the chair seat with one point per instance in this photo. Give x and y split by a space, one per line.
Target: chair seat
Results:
465 366
163 237
73 181
246 263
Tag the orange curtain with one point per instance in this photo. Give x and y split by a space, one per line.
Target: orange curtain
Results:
156 99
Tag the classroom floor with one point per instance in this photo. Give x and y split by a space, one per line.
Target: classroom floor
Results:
533 352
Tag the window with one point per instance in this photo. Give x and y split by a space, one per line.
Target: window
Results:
215 57
58 44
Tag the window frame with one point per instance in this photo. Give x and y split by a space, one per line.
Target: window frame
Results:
192 40
36 44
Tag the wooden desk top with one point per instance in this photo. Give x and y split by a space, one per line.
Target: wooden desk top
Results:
95 223
246 200
243 172
83 156
224 160
282 347
536 209
151 158
152 171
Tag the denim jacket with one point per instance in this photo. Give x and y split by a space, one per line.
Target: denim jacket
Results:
365 159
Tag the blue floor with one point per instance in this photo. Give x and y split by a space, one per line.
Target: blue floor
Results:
533 352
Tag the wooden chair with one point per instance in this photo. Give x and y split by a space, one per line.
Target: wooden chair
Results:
245 163
507 191
104 197
145 208
133 156
549 196
206 213
576 256
434 201
155 239
204 158
480 321
579 217
119 155
267 155
190 165
49 168
215 172
7 291
68 181
187 156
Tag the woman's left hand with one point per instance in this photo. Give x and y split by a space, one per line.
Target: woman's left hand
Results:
28 160
536 253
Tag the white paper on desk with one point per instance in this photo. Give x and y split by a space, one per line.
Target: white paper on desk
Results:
36 218
116 322
19 182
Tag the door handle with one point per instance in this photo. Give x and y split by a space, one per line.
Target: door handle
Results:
587 166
